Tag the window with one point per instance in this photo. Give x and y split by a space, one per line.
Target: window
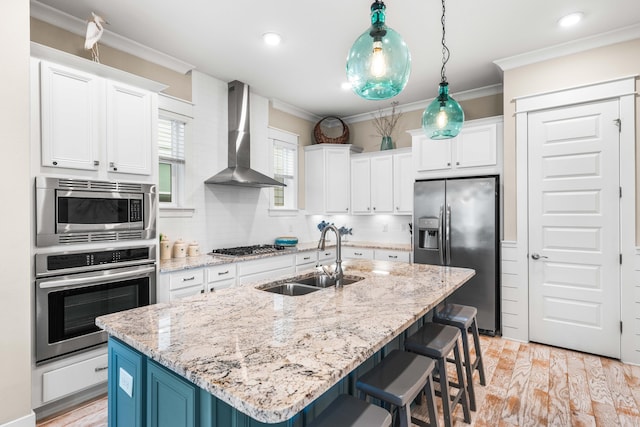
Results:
284 149
171 137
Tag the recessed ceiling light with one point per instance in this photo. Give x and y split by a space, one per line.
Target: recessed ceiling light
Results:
272 39
571 19
346 86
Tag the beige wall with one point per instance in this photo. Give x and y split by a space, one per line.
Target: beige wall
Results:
15 281
49 35
592 66
304 129
363 134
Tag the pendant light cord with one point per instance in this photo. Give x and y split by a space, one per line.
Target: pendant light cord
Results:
445 49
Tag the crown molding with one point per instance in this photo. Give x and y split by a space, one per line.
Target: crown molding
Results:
575 46
421 105
294 111
78 26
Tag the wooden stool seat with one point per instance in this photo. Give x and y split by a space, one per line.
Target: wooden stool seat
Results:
349 411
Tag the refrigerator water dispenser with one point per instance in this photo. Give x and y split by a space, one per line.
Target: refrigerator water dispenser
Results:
428 233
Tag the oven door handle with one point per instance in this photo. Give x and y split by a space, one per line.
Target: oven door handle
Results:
56 283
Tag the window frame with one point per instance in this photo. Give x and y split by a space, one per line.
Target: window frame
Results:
290 139
171 108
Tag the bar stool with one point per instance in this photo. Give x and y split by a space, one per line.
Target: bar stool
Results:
398 380
437 341
349 411
463 317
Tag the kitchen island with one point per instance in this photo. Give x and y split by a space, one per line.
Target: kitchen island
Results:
268 356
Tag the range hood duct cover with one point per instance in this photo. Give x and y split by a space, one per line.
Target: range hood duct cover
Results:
239 171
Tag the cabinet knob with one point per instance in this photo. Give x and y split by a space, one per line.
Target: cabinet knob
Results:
397 208
96 163
113 165
374 208
448 163
457 163
55 163
347 209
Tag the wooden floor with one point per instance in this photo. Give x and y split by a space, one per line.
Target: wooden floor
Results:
527 385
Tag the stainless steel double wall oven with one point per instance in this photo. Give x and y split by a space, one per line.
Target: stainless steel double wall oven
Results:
74 286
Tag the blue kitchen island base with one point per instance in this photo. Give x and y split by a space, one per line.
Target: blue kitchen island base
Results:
145 393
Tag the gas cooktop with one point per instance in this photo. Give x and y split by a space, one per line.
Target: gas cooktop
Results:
248 250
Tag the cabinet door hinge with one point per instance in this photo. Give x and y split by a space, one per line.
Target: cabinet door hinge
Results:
620 192
618 123
621 326
620 259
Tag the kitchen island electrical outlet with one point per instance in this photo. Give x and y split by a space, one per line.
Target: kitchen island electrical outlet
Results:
126 382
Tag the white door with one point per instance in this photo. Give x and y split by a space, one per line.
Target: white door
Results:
574 266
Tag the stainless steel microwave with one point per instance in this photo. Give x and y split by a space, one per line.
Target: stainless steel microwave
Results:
84 211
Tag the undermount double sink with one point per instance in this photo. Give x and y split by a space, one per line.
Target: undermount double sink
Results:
306 284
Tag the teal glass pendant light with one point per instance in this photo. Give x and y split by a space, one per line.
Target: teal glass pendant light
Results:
443 118
379 62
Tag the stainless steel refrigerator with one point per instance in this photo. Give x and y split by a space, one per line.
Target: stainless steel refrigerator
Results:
456 223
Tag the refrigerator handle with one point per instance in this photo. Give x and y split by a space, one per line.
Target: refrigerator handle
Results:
441 235
447 236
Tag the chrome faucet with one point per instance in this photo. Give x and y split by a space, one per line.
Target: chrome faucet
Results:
337 274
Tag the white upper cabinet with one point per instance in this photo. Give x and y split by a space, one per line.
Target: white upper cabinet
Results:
92 125
372 183
327 178
70 117
129 122
476 150
382 182
403 182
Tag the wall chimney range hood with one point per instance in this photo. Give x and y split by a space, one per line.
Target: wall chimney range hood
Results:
239 171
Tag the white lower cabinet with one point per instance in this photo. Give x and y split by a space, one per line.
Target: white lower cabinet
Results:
327 257
180 284
221 277
357 253
306 260
391 255
261 269
65 377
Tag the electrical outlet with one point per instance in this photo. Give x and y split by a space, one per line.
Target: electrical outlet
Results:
385 228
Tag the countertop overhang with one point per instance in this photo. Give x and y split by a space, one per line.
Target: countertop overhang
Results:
270 355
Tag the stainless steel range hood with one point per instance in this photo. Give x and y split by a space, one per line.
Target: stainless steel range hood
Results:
239 171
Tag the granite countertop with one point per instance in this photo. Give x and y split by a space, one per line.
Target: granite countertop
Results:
270 355
177 264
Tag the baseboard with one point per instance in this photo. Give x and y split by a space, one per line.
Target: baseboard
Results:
28 420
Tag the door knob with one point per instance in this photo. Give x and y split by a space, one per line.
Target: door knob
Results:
538 256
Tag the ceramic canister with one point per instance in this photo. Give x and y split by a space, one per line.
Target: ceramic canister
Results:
165 248
179 249
193 249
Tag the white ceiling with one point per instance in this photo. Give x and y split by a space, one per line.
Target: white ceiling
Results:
223 39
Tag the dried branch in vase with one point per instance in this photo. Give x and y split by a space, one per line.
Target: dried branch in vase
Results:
385 124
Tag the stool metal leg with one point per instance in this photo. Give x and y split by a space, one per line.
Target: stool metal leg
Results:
463 389
468 367
476 342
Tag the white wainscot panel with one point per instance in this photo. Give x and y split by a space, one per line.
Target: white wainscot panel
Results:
514 302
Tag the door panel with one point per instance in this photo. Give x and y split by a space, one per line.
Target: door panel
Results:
574 286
